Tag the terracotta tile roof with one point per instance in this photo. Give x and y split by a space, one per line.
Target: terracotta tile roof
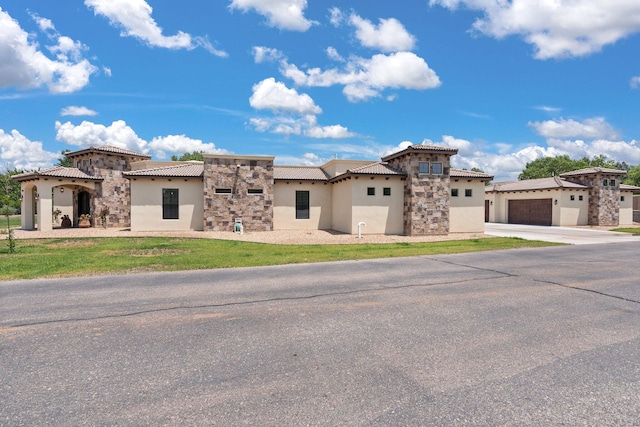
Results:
56 172
592 171
189 170
626 187
108 149
299 173
378 168
534 184
423 148
458 173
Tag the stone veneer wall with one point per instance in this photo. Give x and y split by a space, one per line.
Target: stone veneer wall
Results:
221 210
426 197
114 191
604 202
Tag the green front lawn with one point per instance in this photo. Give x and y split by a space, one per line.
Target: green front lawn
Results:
634 230
73 257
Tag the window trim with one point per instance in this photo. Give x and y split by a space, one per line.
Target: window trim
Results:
436 164
420 168
170 207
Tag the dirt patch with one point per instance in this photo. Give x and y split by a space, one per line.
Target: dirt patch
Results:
158 252
72 244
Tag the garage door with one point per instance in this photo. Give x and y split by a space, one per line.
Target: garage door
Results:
531 212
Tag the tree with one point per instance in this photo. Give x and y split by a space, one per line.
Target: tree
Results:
7 211
553 166
486 183
196 155
633 177
65 160
10 190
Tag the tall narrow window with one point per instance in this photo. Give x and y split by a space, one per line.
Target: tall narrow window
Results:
302 205
170 203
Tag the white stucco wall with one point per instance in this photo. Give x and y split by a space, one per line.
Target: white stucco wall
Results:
146 204
381 214
64 202
569 212
466 214
626 208
341 209
284 206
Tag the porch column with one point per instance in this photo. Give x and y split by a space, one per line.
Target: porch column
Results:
45 206
26 207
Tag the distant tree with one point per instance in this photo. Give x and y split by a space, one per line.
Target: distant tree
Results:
196 155
65 160
481 171
632 177
553 166
10 190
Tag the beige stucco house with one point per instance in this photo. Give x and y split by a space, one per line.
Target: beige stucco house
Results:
411 192
592 196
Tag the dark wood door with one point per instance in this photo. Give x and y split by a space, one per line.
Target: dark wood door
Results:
531 212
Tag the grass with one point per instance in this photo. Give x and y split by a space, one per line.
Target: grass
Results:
40 258
633 230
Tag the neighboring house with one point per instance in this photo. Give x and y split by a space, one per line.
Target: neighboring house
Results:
592 196
411 192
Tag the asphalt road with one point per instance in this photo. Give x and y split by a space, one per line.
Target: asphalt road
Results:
545 336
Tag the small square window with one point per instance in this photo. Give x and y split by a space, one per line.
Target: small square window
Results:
386 191
612 183
371 191
454 192
605 183
622 198
423 168
468 192
580 198
573 197
255 191
253 163
223 191
436 168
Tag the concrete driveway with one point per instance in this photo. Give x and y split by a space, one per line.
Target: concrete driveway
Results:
572 236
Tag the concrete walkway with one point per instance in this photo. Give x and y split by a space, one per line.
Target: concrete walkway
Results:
569 235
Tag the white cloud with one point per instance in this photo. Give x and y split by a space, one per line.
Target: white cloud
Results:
119 134
621 151
548 109
307 159
336 17
283 14
590 128
333 54
18 152
181 144
555 28
635 82
366 78
134 17
272 95
24 66
74 110
266 54
389 36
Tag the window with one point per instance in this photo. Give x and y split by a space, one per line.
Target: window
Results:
169 203
436 168
371 191
254 191
612 183
573 197
468 192
580 198
605 183
302 205
386 191
622 198
454 192
223 191
423 168
253 163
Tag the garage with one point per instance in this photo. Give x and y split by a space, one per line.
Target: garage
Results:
530 211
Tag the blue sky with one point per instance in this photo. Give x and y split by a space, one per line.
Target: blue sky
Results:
506 82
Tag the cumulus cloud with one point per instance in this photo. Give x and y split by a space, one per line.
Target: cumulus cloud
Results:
388 36
134 18
562 128
333 54
18 152
621 151
556 29
74 110
119 134
365 78
336 16
24 66
272 95
282 14
307 159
